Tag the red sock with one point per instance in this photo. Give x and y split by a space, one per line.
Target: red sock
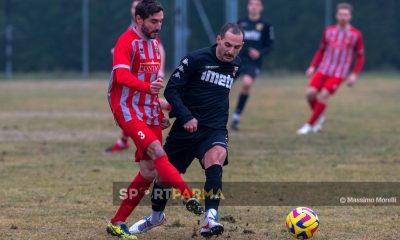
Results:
137 188
171 176
319 108
312 103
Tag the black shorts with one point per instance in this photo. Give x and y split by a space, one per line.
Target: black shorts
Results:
250 68
183 147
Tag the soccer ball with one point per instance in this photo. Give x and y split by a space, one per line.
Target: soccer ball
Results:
302 223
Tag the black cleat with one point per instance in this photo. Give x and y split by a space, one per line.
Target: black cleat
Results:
193 205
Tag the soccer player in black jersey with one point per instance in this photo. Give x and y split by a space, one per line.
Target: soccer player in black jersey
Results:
198 92
259 39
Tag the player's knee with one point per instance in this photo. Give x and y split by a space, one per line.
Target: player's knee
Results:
149 174
215 156
155 150
311 93
147 170
323 96
246 89
247 82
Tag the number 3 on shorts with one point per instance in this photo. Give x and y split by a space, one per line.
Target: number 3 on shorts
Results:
141 135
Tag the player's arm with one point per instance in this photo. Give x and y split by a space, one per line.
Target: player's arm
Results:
360 52
175 88
122 67
359 62
268 40
318 56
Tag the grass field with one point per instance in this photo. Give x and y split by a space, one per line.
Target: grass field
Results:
56 180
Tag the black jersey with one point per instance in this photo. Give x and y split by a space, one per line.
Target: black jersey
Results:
257 34
199 88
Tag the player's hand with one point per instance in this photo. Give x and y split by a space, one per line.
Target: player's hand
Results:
310 71
191 126
156 86
351 80
165 123
254 53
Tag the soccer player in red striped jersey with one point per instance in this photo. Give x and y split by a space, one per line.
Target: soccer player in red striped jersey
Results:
122 143
340 44
133 98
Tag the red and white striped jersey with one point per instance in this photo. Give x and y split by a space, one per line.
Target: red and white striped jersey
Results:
136 63
337 50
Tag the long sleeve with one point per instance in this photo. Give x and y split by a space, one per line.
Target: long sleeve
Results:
174 90
268 40
320 52
122 66
360 52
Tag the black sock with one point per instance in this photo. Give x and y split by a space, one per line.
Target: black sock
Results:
241 103
159 197
213 185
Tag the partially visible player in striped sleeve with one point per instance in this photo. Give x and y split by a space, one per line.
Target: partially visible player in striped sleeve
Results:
339 45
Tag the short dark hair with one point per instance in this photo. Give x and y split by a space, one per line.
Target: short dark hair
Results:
146 8
231 27
344 6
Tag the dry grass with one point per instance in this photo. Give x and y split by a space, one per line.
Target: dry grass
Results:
56 181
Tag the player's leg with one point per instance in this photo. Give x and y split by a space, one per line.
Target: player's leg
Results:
246 83
169 175
121 144
311 96
159 198
180 154
140 183
213 152
139 186
249 72
317 119
213 161
166 171
148 148
315 85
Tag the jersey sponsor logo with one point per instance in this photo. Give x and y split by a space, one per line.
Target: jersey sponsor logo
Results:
252 35
217 78
149 67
